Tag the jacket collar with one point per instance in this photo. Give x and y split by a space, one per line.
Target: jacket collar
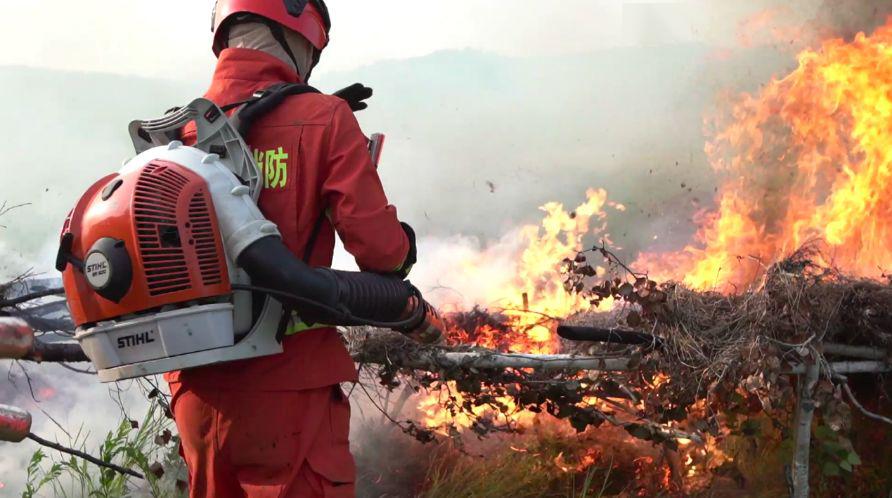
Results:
241 71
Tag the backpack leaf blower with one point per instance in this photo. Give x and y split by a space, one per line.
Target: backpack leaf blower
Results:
169 264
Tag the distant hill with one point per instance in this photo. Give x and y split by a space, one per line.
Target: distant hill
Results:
545 128
475 141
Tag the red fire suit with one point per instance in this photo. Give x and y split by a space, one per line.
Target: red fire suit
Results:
278 426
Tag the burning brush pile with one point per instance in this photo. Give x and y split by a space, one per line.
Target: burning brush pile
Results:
710 369
694 370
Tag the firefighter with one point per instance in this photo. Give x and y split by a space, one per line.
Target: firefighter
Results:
277 426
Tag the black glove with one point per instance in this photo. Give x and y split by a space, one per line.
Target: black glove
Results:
412 255
355 94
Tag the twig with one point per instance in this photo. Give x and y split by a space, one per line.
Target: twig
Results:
382 410
867 413
28 380
609 256
77 370
401 401
49 444
5 209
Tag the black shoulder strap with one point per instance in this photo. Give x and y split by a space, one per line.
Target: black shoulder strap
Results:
314 235
249 111
261 103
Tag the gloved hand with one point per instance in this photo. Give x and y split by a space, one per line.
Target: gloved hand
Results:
431 329
412 255
355 94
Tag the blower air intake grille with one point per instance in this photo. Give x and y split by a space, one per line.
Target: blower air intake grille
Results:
154 207
203 237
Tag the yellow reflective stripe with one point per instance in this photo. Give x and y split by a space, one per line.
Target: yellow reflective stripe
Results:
297 326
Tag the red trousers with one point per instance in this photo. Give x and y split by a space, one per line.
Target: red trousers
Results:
242 444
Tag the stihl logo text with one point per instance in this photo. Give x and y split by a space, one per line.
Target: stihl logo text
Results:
128 341
97 269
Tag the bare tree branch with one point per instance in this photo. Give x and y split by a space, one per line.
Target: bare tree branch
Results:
32 296
867 413
5 208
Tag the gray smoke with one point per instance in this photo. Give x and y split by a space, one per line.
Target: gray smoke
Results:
846 18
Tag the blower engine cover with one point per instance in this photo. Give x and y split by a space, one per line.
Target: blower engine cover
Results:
148 259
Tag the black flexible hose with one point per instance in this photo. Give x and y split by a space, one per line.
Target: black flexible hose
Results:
597 334
416 318
323 295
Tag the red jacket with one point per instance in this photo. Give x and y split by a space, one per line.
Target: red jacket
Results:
315 159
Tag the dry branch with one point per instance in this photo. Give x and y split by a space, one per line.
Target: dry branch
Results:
57 352
865 352
437 359
433 359
849 367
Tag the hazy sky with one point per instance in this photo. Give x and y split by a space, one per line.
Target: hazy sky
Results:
170 38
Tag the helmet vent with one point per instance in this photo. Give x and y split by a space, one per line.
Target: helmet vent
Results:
154 207
205 244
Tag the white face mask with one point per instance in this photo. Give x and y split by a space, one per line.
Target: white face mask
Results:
257 36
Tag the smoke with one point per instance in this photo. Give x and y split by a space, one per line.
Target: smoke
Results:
476 142
846 18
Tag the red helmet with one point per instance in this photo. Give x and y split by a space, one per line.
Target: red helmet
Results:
307 17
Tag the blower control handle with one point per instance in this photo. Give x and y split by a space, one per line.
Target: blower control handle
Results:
323 295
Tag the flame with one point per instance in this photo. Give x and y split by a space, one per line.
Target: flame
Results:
584 461
537 292
532 301
808 158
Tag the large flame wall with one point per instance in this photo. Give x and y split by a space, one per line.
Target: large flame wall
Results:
805 159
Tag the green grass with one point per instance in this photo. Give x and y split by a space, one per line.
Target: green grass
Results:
130 445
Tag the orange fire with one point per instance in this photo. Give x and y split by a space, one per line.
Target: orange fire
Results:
808 158
532 301
533 296
538 293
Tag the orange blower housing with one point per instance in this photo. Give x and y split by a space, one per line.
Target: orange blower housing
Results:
140 240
